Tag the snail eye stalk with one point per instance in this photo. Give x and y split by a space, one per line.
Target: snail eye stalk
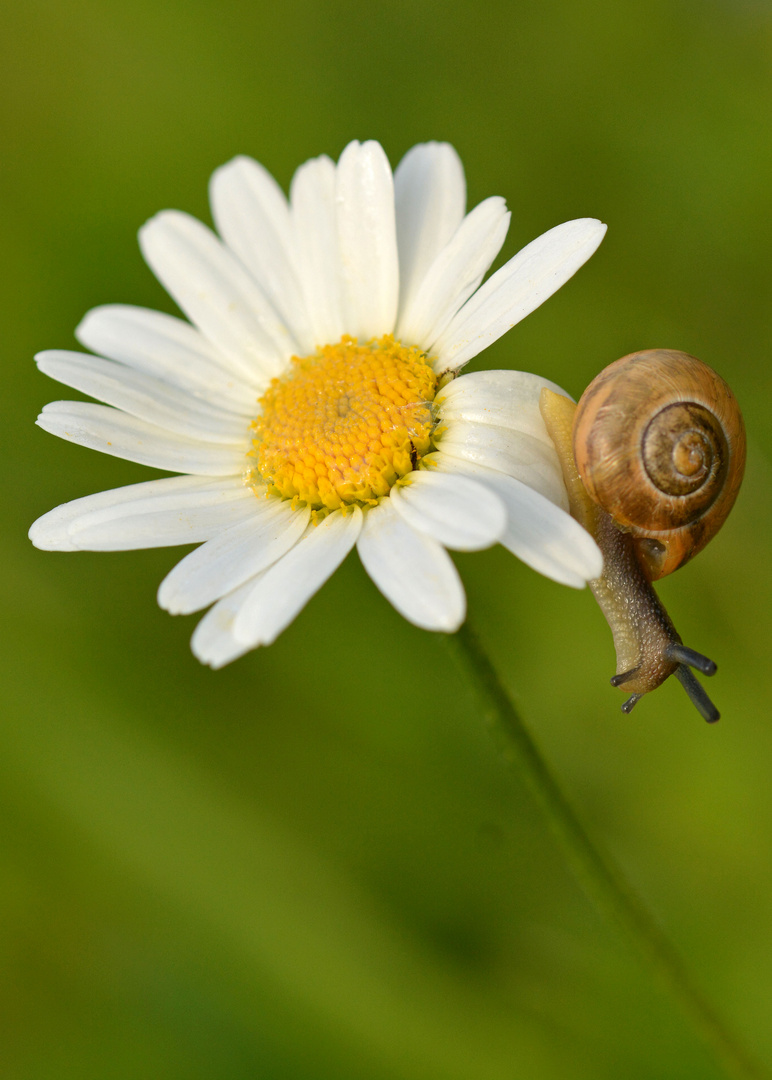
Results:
681 654
697 694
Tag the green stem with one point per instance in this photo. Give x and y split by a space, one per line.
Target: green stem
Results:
601 880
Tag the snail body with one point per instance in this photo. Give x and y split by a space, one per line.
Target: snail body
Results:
653 457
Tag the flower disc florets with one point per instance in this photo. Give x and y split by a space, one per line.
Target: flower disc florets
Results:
345 424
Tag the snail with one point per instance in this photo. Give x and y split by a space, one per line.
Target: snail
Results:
652 457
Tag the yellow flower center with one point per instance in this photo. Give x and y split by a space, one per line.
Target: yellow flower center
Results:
344 425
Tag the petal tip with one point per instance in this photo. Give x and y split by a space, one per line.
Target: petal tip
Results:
207 659
601 227
158 222
596 229
166 598
46 534
454 624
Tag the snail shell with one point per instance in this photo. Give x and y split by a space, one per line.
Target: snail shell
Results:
659 443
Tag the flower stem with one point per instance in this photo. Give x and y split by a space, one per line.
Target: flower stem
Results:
597 874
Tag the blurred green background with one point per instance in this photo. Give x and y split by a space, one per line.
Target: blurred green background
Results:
314 864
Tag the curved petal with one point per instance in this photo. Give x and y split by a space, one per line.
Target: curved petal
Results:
413 571
143 396
517 289
233 556
545 537
213 642
285 589
454 510
312 197
527 458
216 293
116 433
455 273
368 240
168 349
253 218
430 200
157 513
508 399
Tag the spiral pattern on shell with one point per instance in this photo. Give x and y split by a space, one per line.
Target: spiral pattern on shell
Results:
684 452
659 443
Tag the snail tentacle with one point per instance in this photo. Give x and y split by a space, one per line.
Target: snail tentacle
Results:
631 702
697 694
684 655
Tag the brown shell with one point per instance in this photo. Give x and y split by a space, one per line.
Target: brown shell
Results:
659 442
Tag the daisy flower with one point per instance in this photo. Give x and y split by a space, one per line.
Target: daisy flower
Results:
311 403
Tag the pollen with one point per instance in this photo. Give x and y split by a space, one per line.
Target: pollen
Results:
346 424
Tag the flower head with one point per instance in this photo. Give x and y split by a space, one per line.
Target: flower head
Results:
311 402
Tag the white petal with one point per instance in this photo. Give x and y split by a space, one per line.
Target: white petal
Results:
233 556
454 510
114 432
216 293
51 531
508 399
430 200
168 349
517 289
368 240
143 396
213 642
285 589
314 219
455 273
253 218
158 513
413 571
523 456
538 532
